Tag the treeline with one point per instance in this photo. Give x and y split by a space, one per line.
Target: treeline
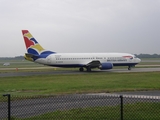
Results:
148 55
12 58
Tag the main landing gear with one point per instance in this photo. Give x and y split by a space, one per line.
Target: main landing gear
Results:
129 67
81 69
88 69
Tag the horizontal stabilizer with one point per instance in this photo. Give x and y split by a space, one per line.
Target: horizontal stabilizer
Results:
31 57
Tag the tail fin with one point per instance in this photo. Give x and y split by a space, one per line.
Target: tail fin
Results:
33 47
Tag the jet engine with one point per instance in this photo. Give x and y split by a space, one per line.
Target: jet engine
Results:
105 66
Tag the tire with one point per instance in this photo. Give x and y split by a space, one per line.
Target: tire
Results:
129 67
81 69
89 69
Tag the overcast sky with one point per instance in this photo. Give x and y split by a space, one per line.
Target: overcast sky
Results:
131 26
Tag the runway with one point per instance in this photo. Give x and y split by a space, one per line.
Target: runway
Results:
56 72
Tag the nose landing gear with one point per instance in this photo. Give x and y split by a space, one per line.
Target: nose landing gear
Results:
81 69
129 67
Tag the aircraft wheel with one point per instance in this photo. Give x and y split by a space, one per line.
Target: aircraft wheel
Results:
81 69
129 67
88 69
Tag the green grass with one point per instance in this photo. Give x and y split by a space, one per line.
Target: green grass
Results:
142 111
79 83
134 111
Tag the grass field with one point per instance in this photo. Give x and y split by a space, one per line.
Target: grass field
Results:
79 83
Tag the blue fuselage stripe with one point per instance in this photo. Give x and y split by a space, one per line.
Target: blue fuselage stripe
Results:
81 65
124 64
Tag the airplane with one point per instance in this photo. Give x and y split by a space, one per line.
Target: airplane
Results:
104 61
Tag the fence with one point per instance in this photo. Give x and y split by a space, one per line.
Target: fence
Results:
80 107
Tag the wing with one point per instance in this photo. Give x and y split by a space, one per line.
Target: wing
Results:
94 64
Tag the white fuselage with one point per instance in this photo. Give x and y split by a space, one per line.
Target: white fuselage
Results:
81 59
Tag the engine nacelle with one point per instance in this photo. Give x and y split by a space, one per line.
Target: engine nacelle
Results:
105 66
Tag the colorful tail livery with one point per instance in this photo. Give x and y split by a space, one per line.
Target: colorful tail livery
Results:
34 49
103 61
